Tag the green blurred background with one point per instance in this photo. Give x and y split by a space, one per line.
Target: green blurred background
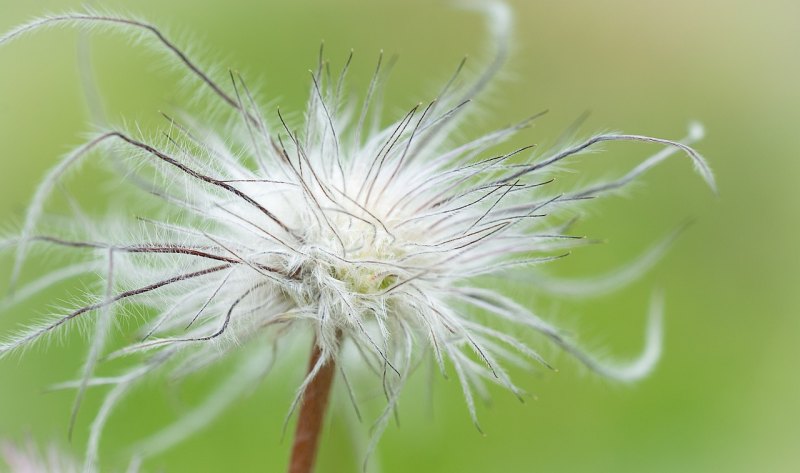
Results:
726 396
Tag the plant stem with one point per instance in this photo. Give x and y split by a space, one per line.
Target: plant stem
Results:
312 414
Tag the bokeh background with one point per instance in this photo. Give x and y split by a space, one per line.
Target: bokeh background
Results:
726 396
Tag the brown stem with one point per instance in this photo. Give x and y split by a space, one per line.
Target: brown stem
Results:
312 413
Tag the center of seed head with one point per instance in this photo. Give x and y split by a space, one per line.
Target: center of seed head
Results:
364 279
364 272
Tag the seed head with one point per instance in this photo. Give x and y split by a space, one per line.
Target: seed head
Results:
383 240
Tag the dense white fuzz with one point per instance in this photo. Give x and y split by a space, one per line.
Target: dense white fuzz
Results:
29 459
385 241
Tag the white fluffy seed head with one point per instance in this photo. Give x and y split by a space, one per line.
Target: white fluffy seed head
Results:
383 238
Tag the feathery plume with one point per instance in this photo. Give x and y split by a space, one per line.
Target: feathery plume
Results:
383 240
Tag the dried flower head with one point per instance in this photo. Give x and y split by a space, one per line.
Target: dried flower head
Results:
379 239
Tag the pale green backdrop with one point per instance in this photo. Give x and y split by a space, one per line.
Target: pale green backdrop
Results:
726 397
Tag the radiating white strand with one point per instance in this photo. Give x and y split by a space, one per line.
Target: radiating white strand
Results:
608 282
242 378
